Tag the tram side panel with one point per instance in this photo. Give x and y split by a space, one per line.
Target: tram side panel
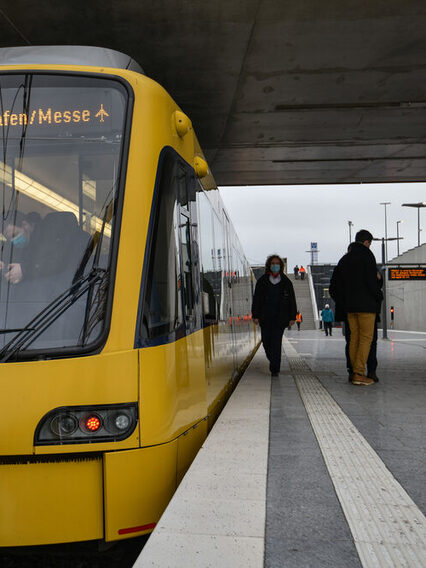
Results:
229 335
169 324
169 342
218 339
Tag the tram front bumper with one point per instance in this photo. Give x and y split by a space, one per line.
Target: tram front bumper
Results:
44 501
57 499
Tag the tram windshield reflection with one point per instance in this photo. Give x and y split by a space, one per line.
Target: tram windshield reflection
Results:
60 158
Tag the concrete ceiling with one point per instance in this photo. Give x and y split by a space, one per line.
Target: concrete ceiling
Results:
279 91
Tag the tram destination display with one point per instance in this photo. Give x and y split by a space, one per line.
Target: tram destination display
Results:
48 115
407 273
47 106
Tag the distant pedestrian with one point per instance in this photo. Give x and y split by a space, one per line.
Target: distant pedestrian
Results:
320 318
299 320
274 308
355 288
327 317
302 272
296 272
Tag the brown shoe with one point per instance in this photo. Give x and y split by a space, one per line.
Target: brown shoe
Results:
373 376
361 380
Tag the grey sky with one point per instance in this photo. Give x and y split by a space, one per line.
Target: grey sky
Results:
285 219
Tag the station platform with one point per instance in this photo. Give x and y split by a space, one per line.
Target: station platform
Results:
308 470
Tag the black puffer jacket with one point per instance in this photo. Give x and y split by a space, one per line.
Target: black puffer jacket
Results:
286 308
339 312
354 285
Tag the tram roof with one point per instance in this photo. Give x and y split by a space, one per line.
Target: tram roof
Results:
68 55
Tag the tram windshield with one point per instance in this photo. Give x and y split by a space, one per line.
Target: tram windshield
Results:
60 161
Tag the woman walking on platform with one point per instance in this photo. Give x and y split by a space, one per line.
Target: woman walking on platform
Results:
274 308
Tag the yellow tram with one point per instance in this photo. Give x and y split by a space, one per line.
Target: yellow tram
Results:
125 297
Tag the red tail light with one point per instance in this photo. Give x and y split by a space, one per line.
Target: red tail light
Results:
93 423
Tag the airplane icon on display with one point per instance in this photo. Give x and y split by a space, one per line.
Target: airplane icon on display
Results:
101 113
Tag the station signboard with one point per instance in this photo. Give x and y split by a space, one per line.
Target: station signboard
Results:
407 273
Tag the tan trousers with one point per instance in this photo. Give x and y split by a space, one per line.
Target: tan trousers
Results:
362 329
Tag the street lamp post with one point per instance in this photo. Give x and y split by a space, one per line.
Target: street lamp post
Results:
386 203
385 310
350 224
397 236
418 206
383 270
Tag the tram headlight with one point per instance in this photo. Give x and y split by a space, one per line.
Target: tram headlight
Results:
63 425
87 424
122 422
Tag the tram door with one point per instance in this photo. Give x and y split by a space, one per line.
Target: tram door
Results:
229 293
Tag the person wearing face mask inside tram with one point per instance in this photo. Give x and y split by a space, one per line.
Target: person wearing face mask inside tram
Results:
13 240
274 308
21 232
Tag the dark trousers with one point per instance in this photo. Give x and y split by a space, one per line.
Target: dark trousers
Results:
272 338
372 356
302 276
328 326
298 325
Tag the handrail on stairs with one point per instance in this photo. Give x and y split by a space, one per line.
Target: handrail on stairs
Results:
313 298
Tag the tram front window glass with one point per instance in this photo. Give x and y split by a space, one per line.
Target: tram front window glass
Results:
61 145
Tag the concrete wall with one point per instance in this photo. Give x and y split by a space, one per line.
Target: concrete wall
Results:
409 298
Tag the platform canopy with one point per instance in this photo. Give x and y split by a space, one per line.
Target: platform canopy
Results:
279 91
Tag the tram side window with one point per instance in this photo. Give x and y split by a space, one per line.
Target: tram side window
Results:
210 278
219 259
248 287
162 309
185 239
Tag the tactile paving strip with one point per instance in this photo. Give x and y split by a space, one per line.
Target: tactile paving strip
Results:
388 528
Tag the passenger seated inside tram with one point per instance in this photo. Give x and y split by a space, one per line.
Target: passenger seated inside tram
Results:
55 247
12 226
16 234
22 232
13 237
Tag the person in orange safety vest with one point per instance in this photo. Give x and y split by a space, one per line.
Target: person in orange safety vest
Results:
299 320
302 272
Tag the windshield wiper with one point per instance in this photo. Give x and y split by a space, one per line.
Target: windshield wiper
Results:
13 330
51 313
80 285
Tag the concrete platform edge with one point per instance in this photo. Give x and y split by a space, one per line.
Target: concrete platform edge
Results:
217 515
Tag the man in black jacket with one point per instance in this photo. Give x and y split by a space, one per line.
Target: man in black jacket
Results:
341 316
274 308
356 293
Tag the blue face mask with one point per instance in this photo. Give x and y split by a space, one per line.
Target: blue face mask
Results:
275 268
20 241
